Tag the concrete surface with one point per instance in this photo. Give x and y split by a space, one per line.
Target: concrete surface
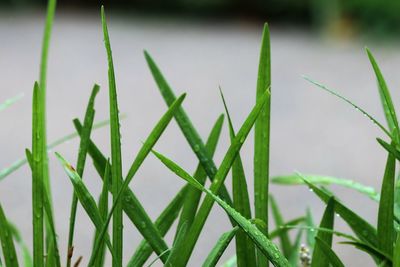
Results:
312 132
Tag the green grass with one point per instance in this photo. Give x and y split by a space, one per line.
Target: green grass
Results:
255 243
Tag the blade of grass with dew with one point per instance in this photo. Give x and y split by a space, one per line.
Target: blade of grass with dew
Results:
360 227
103 209
283 228
329 255
218 181
385 228
53 254
21 162
85 198
83 148
294 255
372 119
186 126
310 234
7 243
283 236
262 138
116 167
131 205
220 247
163 223
192 198
269 249
245 249
390 112
26 255
10 101
141 156
37 179
294 179
319 258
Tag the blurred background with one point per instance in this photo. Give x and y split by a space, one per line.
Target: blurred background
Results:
201 45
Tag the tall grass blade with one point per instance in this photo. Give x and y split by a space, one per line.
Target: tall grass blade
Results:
295 250
279 222
319 258
141 156
83 148
193 195
177 245
116 161
360 227
327 180
218 181
163 223
219 248
7 243
269 249
245 249
10 101
329 255
261 138
186 126
26 255
385 228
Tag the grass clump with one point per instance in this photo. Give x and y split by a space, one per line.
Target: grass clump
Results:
254 241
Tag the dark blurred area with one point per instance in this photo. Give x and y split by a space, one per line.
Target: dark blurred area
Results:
345 17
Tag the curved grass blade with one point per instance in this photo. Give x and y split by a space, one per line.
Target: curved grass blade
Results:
262 136
10 101
360 227
163 223
294 179
83 148
268 248
245 249
156 259
385 228
21 162
7 243
219 248
192 197
142 154
283 236
218 181
186 126
116 167
328 253
372 119
319 258
85 198
373 251
387 103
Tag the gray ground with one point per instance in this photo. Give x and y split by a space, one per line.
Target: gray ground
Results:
312 132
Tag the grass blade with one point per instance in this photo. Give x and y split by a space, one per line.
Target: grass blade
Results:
116 167
372 119
387 104
319 258
218 181
396 254
83 148
261 137
186 126
285 227
10 101
245 249
192 197
178 244
269 249
310 234
283 236
37 178
360 227
328 253
294 255
163 223
385 228
219 248
142 154
327 180
7 243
